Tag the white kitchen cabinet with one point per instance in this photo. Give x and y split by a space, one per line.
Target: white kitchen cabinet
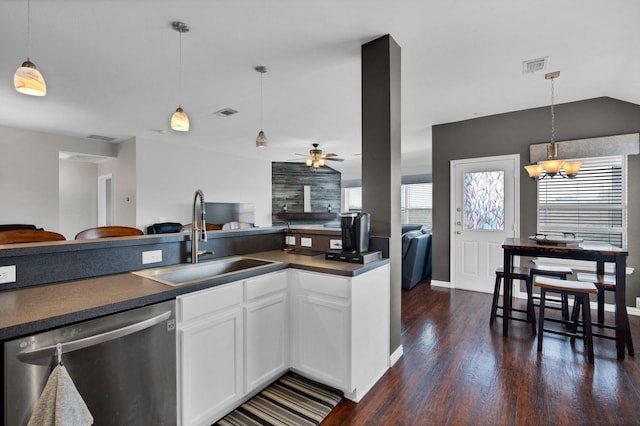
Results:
341 328
266 322
210 353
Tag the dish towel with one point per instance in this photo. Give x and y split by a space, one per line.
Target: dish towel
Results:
60 403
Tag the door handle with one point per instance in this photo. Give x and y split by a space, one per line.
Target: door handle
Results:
96 339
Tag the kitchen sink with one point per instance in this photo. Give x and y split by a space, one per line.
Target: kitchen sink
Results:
184 274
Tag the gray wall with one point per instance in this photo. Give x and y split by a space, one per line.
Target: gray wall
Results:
512 133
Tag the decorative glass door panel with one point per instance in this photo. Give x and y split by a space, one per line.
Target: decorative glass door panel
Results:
483 205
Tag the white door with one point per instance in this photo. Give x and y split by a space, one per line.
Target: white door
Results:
484 211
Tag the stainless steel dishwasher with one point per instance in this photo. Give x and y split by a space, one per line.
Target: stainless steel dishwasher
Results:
123 365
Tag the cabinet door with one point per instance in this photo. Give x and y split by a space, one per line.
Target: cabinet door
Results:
322 340
266 340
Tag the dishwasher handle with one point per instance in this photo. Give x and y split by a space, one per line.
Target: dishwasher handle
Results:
96 339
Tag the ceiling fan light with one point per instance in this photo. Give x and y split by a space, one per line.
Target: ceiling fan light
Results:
321 162
309 162
28 80
180 121
261 140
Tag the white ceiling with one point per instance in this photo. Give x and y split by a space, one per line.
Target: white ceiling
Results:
111 66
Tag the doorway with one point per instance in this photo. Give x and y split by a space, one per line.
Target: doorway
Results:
484 211
105 198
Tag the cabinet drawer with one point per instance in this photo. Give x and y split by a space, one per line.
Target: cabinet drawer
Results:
266 284
325 284
208 301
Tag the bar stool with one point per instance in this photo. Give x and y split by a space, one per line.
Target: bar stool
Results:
580 291
560 272
518 273
605 283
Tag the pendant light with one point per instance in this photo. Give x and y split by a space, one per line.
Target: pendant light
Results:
179 119
27 79
261 140
553 165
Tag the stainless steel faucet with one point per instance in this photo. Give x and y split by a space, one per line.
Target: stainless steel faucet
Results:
198 234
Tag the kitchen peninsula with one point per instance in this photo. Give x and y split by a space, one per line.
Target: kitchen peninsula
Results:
331 319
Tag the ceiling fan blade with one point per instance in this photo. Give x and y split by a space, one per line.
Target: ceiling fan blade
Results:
334 159
303 155
331 154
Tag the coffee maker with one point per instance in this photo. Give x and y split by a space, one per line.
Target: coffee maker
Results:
355 232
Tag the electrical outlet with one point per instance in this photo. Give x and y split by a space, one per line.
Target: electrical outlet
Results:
152 256
335 244
637 302
290 240
7 274
305 242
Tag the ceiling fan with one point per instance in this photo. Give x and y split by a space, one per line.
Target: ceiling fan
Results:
317 158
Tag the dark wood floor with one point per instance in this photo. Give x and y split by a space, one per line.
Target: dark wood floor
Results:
456 370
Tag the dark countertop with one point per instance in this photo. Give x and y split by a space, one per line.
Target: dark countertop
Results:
34 309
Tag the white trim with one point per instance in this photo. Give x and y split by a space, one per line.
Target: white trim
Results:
395 356
436 283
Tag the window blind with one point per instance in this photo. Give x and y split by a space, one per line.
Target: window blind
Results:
593 205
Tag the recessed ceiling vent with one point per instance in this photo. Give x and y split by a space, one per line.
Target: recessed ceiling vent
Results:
534 65
102 138
225 112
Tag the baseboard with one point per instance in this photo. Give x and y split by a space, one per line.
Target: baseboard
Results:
437 283
395 356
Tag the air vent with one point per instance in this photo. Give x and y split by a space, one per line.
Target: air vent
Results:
225 112
102 138
534 65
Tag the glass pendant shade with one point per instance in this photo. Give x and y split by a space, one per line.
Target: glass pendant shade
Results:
309 162
180 121
534 170
552 167
261 140
571 168
28 80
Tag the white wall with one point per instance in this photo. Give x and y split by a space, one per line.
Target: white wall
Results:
123 171
78 197
29 178
167 176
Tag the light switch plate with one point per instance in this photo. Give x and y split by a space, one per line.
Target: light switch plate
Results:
305 242
7 274
152 256
290 240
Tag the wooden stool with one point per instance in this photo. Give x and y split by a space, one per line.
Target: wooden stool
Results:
553 271
518 273
580 291
605 283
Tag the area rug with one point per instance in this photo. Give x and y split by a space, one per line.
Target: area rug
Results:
292 400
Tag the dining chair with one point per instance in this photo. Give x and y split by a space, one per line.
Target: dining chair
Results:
108 232
210 227
28 236
605 283
573 328
517 273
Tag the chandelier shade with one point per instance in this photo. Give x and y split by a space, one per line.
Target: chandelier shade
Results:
553 165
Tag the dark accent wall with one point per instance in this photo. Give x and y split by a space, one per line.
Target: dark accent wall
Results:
512 133
288 181
381 164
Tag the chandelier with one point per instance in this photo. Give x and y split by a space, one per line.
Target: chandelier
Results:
553 165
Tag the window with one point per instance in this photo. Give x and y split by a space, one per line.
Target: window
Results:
593 205
416 206
352 199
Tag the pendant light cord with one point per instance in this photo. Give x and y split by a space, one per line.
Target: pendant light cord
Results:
28 28
553 116
261 101
180 67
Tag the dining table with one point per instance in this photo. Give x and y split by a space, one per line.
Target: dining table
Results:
598 252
